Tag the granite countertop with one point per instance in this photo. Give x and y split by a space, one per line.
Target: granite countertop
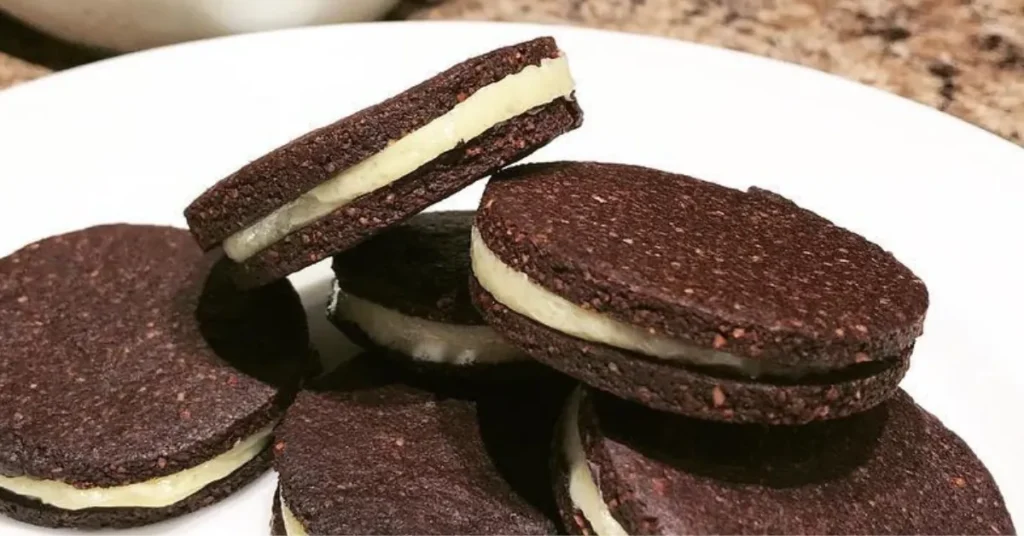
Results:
961 56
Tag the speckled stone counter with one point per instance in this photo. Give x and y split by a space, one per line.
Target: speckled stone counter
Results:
964 57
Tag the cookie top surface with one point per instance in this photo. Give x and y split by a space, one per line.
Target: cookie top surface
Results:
419 268
378 457
749 273
116 348
285 173
892 470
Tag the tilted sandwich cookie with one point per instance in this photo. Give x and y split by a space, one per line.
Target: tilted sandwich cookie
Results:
395 455
340 184
406 292
691 297
136 383
894 469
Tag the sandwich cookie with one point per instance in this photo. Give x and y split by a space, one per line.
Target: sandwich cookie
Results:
691 297
623 469
137 383
405 292
382 457
333 187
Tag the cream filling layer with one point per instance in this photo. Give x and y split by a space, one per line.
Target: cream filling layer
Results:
583 489
515 290
489 106
292 525
154 493
420 338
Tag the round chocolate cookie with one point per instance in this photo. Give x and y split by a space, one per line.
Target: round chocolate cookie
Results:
338 185
621 468
405 293
137 382
691 297
367 453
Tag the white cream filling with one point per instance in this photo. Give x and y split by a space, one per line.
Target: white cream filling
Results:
420 338
154 493
515 290
292 525
583 489
491 105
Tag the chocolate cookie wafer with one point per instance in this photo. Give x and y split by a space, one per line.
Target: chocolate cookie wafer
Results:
621 468
374 452
405 292
137 383
336 186
692 297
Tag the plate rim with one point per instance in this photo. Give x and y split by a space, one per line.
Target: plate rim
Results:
656 42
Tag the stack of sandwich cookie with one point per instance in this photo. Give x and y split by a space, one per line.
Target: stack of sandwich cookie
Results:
336 186
137 383
741 357
374 450
691 297
404 293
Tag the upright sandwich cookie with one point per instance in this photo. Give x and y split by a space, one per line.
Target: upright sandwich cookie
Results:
406 292
136 384
691 297
895 469
332 188
389 457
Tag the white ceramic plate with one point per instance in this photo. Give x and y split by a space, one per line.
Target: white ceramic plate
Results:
136 138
